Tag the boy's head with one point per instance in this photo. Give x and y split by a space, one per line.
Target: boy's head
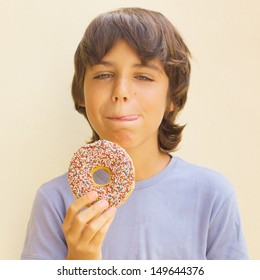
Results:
152 36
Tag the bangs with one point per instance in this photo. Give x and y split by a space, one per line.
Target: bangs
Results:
141 30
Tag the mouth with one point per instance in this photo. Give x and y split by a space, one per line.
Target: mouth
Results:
127 118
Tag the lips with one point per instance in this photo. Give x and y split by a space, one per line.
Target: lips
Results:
124 118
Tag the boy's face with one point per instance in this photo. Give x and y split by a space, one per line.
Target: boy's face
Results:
125 100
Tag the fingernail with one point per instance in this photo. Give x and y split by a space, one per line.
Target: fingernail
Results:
103 203
111 210
92 195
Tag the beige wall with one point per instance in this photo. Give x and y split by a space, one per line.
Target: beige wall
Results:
40 130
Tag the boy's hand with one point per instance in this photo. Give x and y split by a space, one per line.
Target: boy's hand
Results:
85 230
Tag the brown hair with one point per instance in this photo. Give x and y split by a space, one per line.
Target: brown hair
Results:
151 35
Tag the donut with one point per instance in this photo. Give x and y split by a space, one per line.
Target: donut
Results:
112 160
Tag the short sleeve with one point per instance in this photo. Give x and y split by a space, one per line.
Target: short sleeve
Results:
225 237
44 236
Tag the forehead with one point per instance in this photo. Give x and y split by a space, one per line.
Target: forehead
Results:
122 53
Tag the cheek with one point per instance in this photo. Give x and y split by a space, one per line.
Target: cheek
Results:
92 111
94 106
155 100
90 105
91 98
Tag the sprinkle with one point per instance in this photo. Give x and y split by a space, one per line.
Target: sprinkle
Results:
102 154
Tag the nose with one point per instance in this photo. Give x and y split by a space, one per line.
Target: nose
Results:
121 91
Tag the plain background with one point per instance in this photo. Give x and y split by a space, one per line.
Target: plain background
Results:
40 129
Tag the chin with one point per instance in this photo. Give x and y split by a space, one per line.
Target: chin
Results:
124 140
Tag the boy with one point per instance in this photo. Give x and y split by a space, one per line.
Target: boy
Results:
131 79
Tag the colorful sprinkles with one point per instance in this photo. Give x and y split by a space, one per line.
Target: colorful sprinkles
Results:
102 154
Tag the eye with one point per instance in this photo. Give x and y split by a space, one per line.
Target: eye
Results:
103 76
143 78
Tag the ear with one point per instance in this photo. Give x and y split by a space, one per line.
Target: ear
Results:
81 101
171 109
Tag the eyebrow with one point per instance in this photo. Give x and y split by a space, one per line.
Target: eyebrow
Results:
105 63
136 65
148 65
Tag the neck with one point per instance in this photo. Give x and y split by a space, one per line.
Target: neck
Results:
148 163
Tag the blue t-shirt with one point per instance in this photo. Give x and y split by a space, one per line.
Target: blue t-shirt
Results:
183 212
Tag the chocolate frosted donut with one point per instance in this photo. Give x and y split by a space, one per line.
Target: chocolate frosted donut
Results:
109 157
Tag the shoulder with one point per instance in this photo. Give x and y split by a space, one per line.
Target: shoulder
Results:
56 191
57 184
44 237
204 179
211 192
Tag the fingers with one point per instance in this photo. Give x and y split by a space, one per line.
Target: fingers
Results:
85 229
84 219
76 207
100 236
96 231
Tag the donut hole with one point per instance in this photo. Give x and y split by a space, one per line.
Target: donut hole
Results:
101 176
